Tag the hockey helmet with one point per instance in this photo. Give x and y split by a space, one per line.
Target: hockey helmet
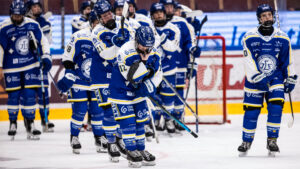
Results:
145 36
157 7
30 3
84 5
102 7
165 2
133 3
92 17
264 8
119 3
17 7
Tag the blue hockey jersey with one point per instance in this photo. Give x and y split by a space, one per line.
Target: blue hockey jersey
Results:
270 55
15 55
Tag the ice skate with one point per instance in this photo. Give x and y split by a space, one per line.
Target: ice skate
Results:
12 130
75 144
113 152
272 147
134 159
101 144
160 124
148 133
170 126
121 146
32 132
179 127
243 148
49 128
148 159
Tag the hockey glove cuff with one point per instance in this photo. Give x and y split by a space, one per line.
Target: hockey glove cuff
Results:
67 81
261 82
46 64
290 83
195 51
119 39
147 88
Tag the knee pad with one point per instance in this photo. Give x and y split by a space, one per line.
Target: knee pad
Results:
274 113
252 114
28 102
79 110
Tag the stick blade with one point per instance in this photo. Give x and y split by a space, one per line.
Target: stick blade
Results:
125 10
196 13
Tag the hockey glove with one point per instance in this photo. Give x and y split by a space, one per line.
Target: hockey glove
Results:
119 39
146 88
290 83
195 51
67 81
46 65
193 68
261 82
195 23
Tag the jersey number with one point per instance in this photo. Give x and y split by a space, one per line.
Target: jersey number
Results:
122 68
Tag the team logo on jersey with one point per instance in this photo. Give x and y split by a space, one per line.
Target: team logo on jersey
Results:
8 79
86 67
27 76
22 45
267 64
124 109
105 92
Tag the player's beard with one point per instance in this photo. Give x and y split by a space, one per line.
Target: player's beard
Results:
169 16
131 14
160 23
268 23
111 24
17 22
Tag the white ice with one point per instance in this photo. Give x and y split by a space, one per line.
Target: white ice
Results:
216 148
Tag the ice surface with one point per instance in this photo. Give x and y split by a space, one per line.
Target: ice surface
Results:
216 148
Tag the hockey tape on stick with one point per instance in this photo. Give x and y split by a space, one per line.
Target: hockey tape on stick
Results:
177 121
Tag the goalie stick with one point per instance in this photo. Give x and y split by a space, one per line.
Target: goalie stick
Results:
169 114
42 78
291 122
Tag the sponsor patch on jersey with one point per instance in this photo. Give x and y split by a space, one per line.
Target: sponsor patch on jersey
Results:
267 64
22 45
245 53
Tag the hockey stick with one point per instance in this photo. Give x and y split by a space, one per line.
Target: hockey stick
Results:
169 114
196 98
42 78
180 98
124 15
193 58
150 104
56 87
290 123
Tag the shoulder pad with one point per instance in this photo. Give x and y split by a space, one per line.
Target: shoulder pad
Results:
251 32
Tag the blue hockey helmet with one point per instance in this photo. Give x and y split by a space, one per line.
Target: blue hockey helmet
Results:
157 7
17 7
119 3
264 8
102 7
132 2
143 11
84 5
177 5
165 2
145 36
33 2
92 17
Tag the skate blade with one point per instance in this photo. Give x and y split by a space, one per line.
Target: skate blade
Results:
148 163
101 150
243 154
134 164
48 130
272 153
114 159
12 138
123 155
33 137
76 151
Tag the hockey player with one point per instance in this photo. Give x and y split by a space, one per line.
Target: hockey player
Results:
77 60
82 21
20 64
136 76
34 11
108 37
188 51
269 74
168 48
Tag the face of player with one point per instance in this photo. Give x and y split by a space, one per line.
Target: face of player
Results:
118 11
95 23
36 10
86 12
17 19
159 15
177 12
131 10
106 17
144 52
169 9
266 19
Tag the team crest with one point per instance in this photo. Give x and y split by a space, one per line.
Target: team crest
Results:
86 67
22 45
267 64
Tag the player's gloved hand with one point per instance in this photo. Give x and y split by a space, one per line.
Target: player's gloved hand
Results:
195 51
46 64
119 39
290 83
195 23
67 81
193 67
261 82
147 88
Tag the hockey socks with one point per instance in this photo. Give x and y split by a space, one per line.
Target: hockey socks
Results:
249 124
